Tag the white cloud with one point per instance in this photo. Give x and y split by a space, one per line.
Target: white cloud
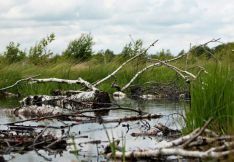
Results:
175 22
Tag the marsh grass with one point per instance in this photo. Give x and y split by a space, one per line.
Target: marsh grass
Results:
90 71
212 95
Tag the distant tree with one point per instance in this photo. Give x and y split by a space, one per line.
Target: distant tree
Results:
104 56
81 48
108 55
13 53
198 51
181 52
39 53
225 51
131 49
163 54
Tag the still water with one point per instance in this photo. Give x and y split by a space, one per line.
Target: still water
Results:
81 149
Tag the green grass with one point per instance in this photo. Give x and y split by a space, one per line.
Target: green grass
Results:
90 71
212 95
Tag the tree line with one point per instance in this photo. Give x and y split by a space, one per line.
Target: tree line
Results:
81 49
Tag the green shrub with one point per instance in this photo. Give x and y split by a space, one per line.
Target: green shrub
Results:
80 49
132 49
13 53
39 54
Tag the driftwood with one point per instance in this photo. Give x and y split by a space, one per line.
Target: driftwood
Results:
17 82
160 130
21 140
78 81
73 100
197 143
83 119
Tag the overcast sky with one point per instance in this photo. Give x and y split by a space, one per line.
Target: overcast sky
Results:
175 23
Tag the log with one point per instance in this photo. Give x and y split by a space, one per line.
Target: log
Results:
13 141
157 153
197 144
167 131
75 101
78 81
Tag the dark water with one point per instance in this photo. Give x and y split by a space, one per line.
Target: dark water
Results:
94 131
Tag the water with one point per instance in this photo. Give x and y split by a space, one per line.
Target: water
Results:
94 131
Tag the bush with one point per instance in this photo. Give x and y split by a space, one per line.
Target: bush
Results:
104 56
132 49
198 51
39 53
13 53
80 49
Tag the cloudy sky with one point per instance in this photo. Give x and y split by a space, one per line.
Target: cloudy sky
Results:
175 23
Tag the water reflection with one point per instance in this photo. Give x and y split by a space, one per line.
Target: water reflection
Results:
83 145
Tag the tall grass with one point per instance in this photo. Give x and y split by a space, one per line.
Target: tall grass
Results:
90 71
212 95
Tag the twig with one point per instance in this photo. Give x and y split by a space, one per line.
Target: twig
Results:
34 143
146 68
112 108
197 134
17 82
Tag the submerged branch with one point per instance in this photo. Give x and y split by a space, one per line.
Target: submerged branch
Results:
193 145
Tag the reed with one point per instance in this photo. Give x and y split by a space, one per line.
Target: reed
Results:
212 95
90 71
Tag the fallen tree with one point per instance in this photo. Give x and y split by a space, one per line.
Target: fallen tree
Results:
201 143
23 139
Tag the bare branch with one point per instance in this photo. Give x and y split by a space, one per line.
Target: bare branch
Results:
78 81
123 64
197 134
171 151
17 82
146 68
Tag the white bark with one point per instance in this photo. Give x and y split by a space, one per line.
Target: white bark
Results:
78 81
119 95
146 68
176 142
17 82
83 97
30 100
171 151
183 146
38 111
60 101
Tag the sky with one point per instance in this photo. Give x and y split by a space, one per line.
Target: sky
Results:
114 23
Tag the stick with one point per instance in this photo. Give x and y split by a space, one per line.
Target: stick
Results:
78 81
171 151
146 68
17 82
197 134
34 143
